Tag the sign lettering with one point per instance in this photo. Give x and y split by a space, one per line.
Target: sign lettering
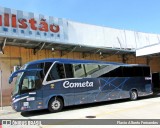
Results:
67 84
25 23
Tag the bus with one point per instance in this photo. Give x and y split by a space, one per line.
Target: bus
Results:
55 83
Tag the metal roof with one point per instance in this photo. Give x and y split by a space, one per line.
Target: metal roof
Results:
149 50
66 35
38 45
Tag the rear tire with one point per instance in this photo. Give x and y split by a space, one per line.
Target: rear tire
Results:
55 104
133 95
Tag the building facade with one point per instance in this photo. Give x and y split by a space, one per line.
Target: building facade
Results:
25 36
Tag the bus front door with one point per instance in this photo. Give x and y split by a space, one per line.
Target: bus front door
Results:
31 94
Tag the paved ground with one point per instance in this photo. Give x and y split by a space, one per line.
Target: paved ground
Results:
144 108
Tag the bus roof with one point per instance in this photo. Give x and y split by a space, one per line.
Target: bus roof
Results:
74 61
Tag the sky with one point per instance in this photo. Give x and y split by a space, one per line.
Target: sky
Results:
136 15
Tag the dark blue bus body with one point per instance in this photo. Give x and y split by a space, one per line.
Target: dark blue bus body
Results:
64 82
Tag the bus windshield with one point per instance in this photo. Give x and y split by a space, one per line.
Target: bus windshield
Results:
30 82
16 87
26 80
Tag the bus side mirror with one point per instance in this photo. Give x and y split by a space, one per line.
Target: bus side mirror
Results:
16 68
10 80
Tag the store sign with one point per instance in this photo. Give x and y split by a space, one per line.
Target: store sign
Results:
19 24
23 23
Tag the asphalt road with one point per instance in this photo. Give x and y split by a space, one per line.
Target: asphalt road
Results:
143 108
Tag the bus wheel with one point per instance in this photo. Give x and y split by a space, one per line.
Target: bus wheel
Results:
55 104
133 95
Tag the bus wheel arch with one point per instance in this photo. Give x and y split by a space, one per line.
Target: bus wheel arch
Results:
133 94
55 104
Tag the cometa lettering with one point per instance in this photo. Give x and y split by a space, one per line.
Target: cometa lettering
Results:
68 84
25 23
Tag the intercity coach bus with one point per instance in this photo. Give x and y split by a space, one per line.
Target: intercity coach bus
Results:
54 83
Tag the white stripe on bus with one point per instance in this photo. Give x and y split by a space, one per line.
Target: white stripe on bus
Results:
16 100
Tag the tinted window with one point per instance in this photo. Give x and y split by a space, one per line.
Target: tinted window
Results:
57 72
38 66
78 70
133 71
68 70
146 71
31 80
138 71
46 67
113 71
126 71
91 68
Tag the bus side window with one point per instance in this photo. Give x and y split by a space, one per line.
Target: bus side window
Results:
60 71
78 70
91 68
46 67
146 71
128 71
113 71
68 70
57 72
132 71
138 71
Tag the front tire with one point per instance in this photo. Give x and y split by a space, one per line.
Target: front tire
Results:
55 104
133 95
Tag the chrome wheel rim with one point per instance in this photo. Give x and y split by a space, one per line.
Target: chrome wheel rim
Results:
56 105
134 95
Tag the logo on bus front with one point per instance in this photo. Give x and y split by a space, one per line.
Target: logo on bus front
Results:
86 84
